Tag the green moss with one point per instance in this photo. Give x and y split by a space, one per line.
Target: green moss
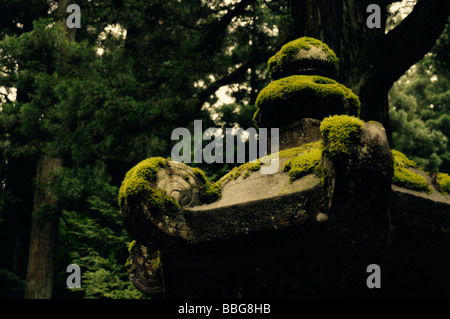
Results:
244 168
130 250
313 85
443 181
316 90
211 192
138 179
254 166
158 200
137 185
131 246
128 262
290 49
249 167
340 133
199 173
298 150
155 260
406 178
305 163
400 160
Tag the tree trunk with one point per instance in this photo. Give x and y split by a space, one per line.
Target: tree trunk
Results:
44 229
61 16
45 217
370 60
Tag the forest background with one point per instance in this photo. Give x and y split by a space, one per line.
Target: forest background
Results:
80 107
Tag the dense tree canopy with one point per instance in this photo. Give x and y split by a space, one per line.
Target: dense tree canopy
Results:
108 95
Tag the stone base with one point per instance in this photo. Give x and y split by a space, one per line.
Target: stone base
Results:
309 262
297 134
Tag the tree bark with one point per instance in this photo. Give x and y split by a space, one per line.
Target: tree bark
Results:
370 60
45 217
61 16
44 228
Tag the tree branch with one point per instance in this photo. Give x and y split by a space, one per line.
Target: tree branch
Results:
212 36
408 43
234 75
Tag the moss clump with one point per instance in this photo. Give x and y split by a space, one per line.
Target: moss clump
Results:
443 180
340 133
155 260
314 86
138 179
305 163
400 160
246 168
130 250
137 185
131 246
297 150
199 173
157 200
404 177
280 62
251 167
211 193
300 96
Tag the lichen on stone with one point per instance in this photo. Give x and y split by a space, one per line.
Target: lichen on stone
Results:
138 179
406 178
307 162
340 133
443 180
155 260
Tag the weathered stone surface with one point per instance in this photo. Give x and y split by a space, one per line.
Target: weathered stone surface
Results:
420 211
145 270
359 182
307 231
298 133
246 208
254 203
269 237
147 217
